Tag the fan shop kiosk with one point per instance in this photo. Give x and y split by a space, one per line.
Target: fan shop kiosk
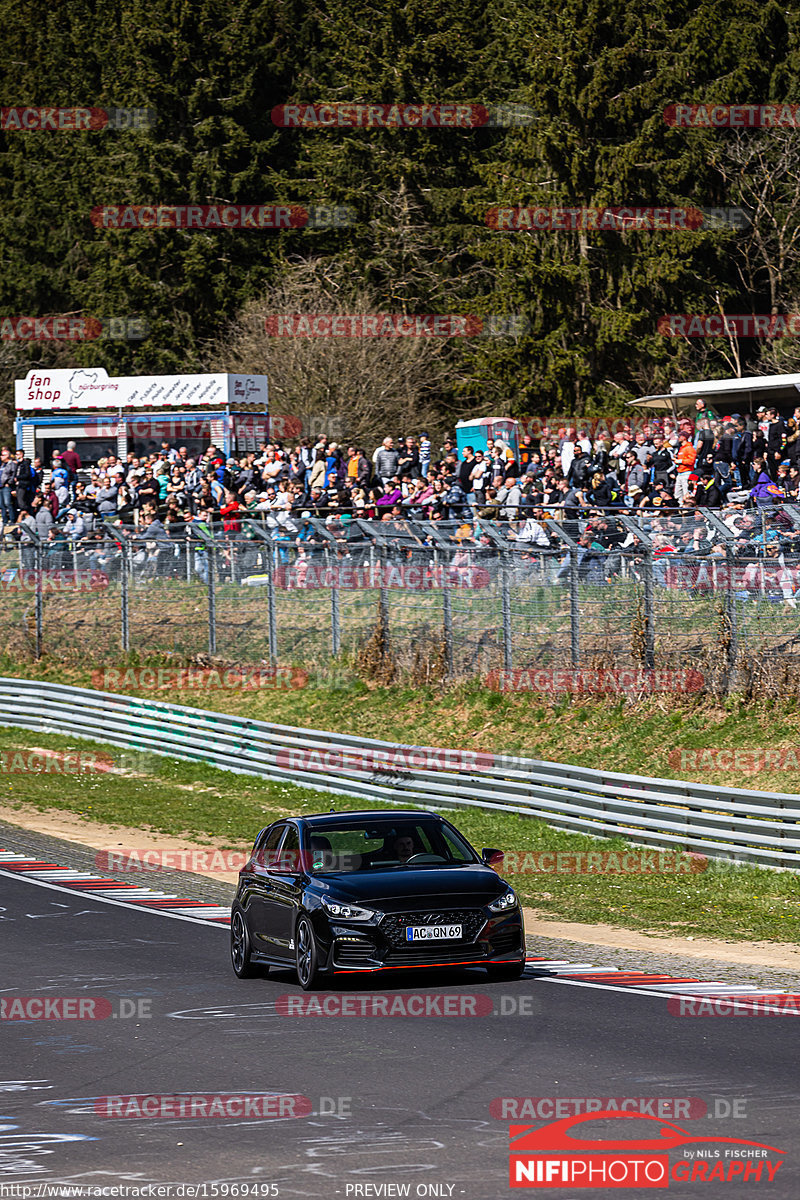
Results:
105 415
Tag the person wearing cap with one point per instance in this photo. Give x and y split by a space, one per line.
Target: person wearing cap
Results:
580 469
74 526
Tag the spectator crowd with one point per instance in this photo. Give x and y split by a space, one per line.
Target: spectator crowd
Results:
667 468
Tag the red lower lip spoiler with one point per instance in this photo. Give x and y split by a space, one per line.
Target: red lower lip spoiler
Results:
469 962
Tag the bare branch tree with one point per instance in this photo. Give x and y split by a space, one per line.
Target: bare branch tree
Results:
354 388
762 173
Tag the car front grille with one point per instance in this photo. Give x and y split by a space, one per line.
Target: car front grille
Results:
393 927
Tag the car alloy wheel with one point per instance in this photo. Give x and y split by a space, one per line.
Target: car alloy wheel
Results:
241 961
306 954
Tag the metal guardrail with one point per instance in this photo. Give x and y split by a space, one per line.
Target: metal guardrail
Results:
749 826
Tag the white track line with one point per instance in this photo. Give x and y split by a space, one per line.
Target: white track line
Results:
140 908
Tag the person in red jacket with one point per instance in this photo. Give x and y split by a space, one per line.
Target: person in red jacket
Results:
71 459
230 513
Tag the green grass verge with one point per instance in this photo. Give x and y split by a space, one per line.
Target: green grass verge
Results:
197 801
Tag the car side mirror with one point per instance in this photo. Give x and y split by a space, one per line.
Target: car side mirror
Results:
492 857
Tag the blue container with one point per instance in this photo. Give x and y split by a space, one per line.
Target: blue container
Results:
476 434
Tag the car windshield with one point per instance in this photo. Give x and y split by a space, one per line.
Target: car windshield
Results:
371 845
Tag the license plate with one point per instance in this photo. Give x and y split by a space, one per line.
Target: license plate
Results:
433 933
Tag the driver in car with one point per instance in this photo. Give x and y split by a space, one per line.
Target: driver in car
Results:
404 847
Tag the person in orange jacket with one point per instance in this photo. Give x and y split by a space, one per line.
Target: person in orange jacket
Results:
685 457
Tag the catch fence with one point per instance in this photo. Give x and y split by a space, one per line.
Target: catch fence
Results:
697 591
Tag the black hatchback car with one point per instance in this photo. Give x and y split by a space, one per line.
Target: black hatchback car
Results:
340 893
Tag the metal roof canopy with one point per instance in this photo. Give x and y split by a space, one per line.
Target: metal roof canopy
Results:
747 392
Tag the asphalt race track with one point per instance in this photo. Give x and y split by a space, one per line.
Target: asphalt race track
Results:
397 1101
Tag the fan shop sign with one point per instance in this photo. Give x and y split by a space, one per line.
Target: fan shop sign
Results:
713 575
406 576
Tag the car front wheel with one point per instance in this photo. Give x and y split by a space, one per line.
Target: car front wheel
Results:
306 956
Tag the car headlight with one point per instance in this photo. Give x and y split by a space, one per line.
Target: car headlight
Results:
504 903
347 912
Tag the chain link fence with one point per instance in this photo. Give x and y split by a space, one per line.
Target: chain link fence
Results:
712 591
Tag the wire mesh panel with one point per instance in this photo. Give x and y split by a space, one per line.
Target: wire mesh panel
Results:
81 584
475 580
241 574
17 598
304 578
168 595
539 606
